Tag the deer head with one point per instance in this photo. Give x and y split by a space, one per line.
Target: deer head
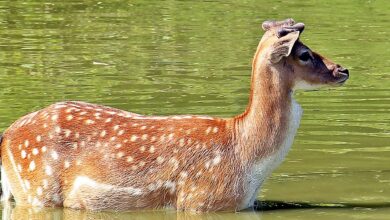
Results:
296 63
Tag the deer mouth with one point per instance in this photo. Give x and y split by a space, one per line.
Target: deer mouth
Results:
342 78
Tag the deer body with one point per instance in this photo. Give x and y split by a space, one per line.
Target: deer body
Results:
86 156
83 153
104 167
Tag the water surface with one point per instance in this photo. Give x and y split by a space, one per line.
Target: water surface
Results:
194 57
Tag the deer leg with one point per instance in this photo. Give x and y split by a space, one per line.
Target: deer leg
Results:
5 187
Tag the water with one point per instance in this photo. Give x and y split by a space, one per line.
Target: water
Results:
171 57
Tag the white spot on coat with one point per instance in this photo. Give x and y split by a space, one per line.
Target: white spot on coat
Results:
170 185
160 159
54 155
97 115
54 117
67 132
48 170
129 159
23 154
111 112
39 191
26 143
66 164
45 183
89 122
216 160
31 167
120 154
181 142
133 138
183 174
35 151
57 129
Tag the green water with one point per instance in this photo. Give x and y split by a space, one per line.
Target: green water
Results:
171 57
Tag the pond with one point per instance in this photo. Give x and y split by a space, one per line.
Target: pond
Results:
194 57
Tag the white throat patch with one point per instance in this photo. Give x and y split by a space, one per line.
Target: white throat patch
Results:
262 169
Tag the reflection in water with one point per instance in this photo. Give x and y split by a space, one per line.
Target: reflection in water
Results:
263 210
31 213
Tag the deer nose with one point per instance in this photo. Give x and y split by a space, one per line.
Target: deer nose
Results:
344 71
341 71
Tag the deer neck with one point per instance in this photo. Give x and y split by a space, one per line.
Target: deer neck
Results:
262 129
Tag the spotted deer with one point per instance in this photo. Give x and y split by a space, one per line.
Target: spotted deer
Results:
86 156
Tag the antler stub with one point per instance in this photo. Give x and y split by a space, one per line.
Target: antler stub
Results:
283 27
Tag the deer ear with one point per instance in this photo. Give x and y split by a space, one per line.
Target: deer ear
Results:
282 47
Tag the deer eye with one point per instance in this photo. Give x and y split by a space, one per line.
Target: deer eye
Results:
305 56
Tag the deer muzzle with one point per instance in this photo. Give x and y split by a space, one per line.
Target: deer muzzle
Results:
341 74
